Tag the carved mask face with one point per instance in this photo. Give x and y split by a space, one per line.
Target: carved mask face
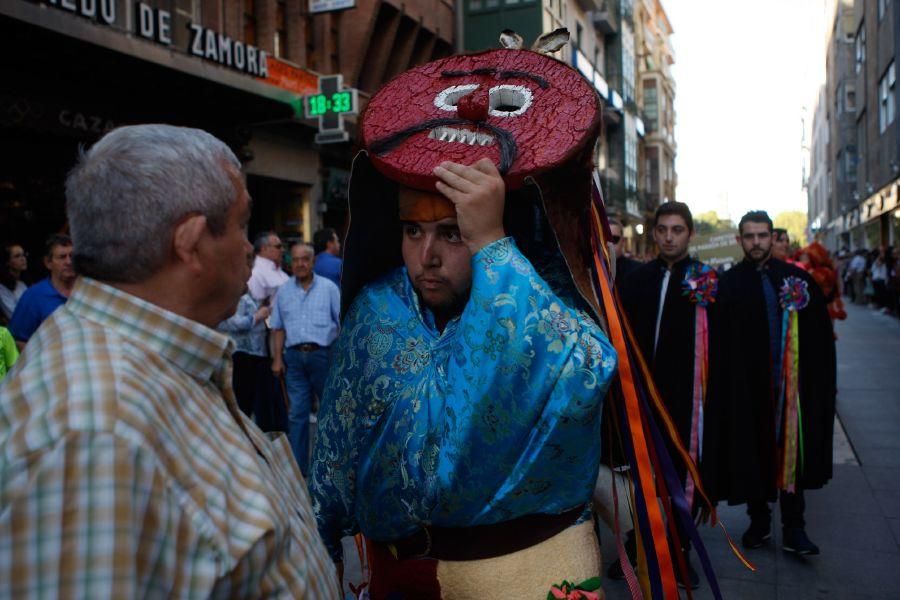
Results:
525 111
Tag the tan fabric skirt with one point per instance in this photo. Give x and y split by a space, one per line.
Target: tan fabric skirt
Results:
572 555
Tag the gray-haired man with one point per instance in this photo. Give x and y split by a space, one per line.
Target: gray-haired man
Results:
267 276
128 469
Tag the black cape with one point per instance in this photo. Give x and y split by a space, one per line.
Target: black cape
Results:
672 362
624 267
740 449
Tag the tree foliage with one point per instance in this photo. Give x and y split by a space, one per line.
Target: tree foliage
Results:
710 222
794 221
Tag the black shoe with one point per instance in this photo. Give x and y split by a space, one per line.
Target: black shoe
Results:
756 535
794 539
692 576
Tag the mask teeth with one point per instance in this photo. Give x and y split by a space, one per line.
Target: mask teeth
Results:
462 136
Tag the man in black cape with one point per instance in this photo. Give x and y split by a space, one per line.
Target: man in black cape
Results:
742 456
663 319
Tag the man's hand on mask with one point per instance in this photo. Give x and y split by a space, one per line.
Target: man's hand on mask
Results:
478 193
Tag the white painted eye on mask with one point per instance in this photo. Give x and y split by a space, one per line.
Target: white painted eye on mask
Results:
509 100
448 98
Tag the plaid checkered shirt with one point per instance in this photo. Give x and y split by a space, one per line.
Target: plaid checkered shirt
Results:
127 469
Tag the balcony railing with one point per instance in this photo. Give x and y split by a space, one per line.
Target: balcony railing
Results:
604 21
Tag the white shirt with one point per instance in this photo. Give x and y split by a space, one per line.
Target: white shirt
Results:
858 264
662 304
9 299
879 271
265 279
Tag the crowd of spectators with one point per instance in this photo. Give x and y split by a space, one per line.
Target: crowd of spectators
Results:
872 278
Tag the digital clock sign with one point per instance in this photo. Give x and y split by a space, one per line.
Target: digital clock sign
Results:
329 106
338 103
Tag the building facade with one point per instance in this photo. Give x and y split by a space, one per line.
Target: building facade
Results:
655 87
236 68
818 179
622 47
862 208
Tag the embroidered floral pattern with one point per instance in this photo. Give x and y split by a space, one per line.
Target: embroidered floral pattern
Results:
558 327
794 294
700 284
493 418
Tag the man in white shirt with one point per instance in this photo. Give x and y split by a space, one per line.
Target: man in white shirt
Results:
267 275
857 271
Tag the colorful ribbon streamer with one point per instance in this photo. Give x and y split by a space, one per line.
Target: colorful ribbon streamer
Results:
657 488
701 366
793 297
792 430
651 525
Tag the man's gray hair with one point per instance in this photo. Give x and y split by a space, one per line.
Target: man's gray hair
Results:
261 241
305 246
129 190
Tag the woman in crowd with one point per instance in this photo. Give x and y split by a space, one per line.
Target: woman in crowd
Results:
15 261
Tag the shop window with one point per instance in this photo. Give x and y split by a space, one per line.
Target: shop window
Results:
280 42
886 102
850 162
861 147
627 64
861 46
651 106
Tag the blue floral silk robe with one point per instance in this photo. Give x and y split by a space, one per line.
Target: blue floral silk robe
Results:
495 418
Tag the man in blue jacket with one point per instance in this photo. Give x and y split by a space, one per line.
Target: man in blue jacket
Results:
40 300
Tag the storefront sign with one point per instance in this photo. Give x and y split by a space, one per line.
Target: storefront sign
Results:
155 24
103 11
87 123
289 77
322 6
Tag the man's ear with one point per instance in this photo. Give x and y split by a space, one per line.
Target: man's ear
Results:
186 241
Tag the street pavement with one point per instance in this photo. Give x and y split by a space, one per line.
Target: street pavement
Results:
855 519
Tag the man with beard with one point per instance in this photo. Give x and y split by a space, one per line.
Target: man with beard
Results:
473 356
771 412
460 427
666 301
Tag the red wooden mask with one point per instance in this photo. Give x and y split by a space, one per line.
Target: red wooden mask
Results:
525 111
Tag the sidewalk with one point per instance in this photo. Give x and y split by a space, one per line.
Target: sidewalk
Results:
855 520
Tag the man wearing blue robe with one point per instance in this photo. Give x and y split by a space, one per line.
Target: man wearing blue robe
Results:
461 416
